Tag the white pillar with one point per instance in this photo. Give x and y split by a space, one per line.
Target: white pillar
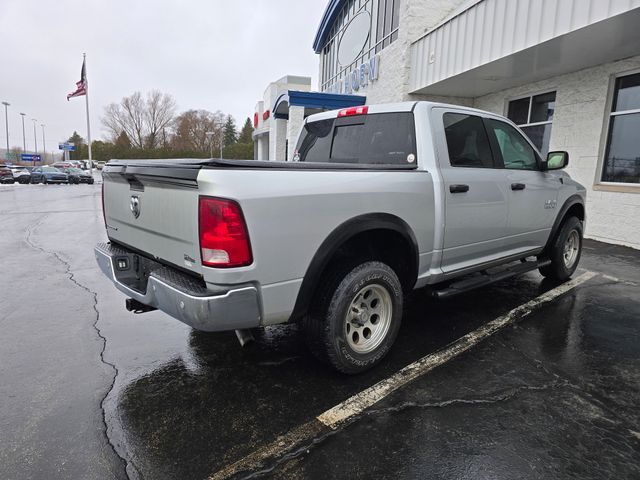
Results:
294 125
277 139
259 151
263 147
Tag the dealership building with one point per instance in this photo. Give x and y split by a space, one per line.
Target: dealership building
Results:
566 71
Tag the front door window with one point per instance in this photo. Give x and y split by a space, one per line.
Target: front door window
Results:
515 151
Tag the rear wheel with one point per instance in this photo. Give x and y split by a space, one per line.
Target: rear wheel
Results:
356 316
565 251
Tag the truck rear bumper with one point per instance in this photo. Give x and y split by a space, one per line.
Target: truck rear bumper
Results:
180 296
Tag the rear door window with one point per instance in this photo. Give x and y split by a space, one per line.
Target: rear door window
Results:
385 138
467 141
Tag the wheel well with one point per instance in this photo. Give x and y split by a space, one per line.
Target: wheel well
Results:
576 210
387 240
387 246
573 207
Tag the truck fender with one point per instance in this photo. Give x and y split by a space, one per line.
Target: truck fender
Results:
572 201
337 238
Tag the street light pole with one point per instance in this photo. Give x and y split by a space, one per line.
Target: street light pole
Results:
210 135
24 141
6 123
44 145
35 138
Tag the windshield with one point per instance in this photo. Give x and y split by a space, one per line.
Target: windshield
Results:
75 170
385 138
50 170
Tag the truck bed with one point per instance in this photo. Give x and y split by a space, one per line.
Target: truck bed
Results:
290 209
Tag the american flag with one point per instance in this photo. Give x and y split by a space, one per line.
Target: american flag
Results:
81 86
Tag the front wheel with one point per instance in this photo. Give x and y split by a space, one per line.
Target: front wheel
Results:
565 251
356 317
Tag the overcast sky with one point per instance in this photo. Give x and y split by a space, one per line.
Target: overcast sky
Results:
214 55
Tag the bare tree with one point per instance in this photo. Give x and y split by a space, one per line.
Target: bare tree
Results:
140 119
159 114
191 129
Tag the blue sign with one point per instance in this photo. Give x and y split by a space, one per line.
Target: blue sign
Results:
67 146
28 157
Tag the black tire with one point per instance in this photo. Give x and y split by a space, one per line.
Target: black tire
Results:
326 326
44 180
561 268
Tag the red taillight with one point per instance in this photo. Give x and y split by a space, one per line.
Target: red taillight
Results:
224 241
348 112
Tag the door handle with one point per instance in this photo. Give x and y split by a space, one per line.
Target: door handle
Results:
518 186
458 188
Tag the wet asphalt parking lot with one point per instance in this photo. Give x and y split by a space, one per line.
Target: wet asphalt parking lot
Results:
525 379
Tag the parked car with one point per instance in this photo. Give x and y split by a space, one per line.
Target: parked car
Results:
6 175
21 174
100 165
47 175
77 175
382 200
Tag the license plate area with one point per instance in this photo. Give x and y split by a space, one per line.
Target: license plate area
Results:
133 270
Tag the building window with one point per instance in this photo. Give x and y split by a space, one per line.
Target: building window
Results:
387 27
384 16
534 115
622 155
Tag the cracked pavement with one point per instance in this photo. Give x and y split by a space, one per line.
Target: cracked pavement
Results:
92 391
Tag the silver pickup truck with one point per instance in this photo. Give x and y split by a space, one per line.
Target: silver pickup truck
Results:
382 199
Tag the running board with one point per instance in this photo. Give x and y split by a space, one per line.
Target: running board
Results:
485 279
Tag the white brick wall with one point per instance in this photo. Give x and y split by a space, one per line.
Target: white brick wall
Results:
416 18
580 117
581 113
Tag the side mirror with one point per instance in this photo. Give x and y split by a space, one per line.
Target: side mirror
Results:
555 161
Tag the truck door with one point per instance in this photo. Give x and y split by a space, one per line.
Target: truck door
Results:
532 194
475 197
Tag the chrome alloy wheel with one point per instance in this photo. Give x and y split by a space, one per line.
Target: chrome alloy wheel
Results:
368 318
571 249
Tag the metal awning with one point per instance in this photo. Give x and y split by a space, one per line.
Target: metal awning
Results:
497 44
313 102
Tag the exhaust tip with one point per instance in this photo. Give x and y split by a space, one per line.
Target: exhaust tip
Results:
245 336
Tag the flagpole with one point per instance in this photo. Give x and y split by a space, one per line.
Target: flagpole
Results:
86 99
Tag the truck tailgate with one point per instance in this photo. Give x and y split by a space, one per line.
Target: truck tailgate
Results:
153 207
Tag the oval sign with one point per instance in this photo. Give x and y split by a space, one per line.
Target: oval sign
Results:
354 38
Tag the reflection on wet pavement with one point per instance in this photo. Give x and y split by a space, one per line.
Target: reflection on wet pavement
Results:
553 396
220 402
